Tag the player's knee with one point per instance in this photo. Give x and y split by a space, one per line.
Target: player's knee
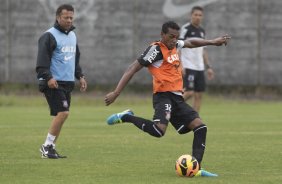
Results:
183 131
157 132
202 127
195 123
63 114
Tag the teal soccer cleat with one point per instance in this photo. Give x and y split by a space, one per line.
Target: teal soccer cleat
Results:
116 118
204 173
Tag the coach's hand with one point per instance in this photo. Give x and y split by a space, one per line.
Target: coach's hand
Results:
111 97
83 84
52 83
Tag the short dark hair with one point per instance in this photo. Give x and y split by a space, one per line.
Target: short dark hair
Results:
62 7
197 8
170 24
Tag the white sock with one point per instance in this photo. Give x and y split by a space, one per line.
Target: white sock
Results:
50 140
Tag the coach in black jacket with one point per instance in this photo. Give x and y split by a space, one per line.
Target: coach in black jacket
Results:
57 67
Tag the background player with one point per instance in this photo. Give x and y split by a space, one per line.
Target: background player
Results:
194 60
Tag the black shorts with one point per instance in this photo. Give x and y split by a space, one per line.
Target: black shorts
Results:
59 99
170 107
194 80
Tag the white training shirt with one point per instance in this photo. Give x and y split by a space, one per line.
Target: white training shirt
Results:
192 58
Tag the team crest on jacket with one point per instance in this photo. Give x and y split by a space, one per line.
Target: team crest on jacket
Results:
173 58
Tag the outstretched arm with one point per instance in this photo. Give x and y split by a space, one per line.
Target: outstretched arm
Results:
197 42
128 74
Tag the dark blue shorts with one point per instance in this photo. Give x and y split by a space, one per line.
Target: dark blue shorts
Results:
194 80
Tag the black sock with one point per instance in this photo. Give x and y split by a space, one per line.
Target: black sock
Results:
144 124
199 142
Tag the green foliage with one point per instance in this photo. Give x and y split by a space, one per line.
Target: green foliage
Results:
243 144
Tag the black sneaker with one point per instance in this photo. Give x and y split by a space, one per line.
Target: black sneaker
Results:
60 156
48 152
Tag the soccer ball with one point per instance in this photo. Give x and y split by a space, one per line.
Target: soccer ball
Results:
186 165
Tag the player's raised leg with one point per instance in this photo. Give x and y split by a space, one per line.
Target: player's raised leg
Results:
143 124
117 117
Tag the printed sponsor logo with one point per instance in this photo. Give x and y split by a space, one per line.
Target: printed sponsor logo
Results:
66 58
172 58
173 10
70 49
153 55
202 34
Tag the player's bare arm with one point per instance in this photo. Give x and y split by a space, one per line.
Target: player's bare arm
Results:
128 74
195 42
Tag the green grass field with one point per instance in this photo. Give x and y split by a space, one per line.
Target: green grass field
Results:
244 143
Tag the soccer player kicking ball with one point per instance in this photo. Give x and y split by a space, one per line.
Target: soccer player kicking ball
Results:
162 60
